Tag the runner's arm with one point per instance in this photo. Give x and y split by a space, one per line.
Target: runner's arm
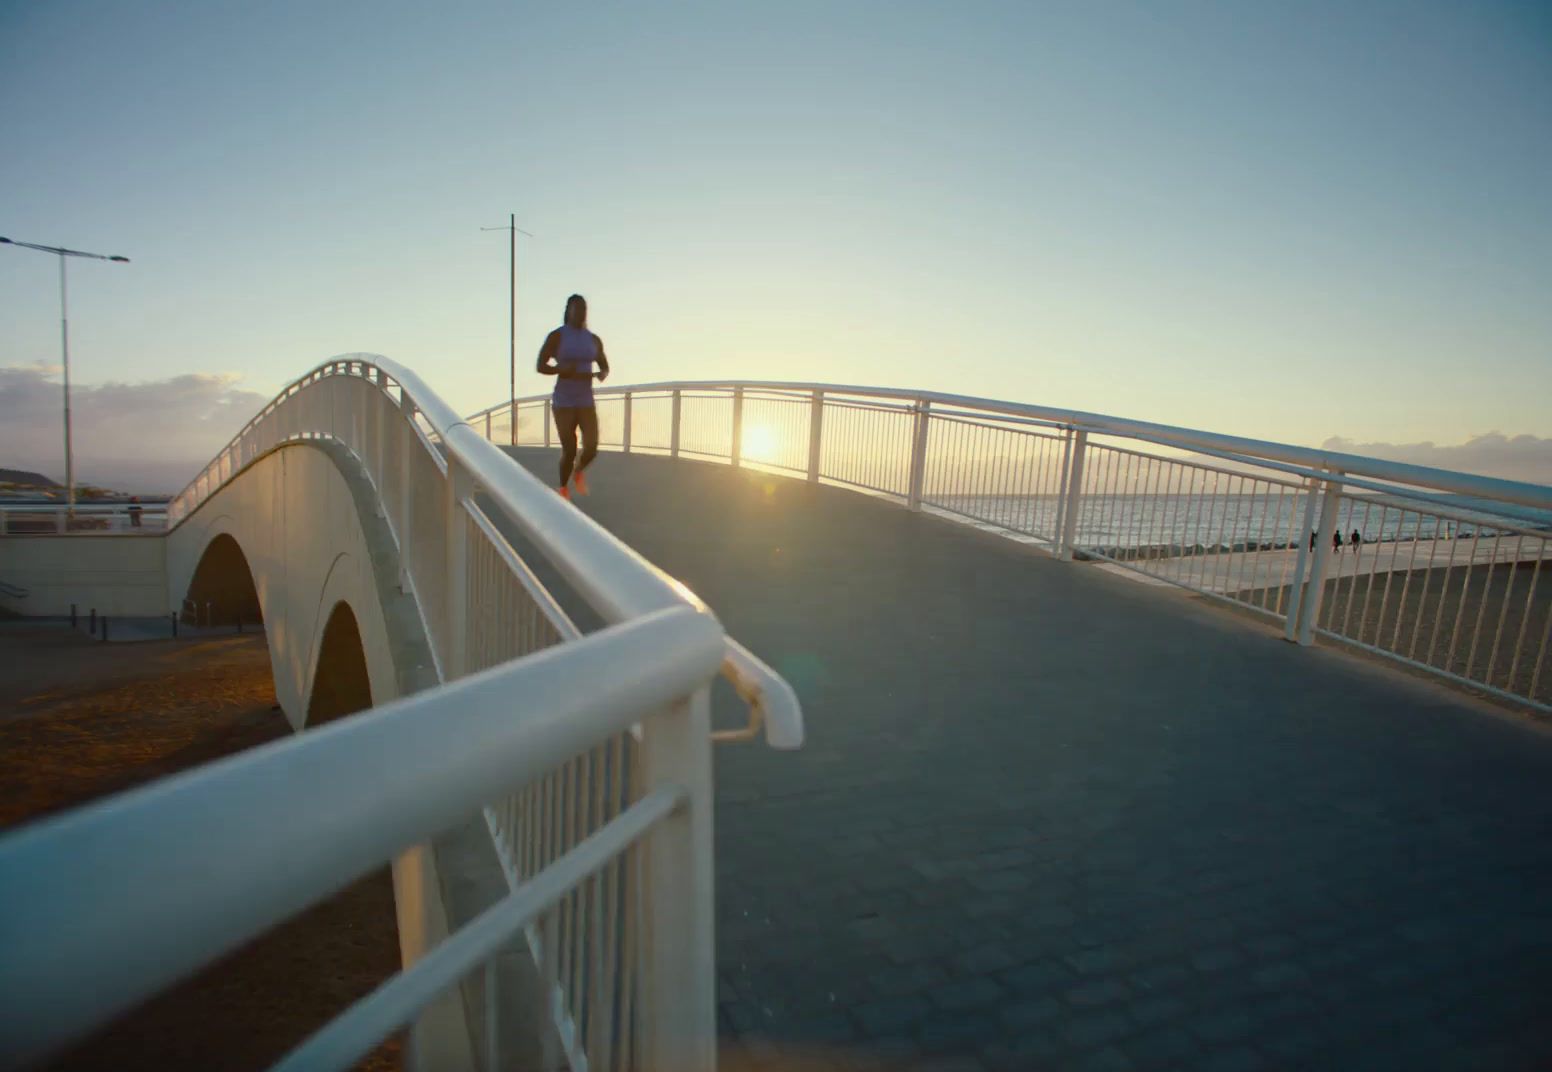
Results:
603 361
547 365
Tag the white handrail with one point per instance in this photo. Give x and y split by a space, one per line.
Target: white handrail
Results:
1216 514
1525 494
135 892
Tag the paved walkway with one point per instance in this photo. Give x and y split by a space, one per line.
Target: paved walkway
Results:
1050 818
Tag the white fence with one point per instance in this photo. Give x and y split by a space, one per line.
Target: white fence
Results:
1447 575
94 519
595 783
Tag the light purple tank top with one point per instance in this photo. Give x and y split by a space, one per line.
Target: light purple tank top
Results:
576 352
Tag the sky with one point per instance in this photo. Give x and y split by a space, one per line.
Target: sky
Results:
1311 223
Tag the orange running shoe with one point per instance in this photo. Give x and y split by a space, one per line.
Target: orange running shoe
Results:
565 493
581 482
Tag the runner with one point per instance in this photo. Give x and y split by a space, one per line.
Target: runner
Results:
569 353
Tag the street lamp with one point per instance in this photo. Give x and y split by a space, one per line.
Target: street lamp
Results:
64 345
512 338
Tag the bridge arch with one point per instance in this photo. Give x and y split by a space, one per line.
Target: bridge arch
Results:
222 590
341 681
296 538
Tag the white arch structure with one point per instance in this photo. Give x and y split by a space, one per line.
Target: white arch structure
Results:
588 755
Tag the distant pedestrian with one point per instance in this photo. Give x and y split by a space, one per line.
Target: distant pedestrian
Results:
1356 539
134 511
1313 534
1336 541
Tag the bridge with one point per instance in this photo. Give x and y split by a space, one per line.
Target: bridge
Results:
1044 815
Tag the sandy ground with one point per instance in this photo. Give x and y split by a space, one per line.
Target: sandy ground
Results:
1433 615
80 720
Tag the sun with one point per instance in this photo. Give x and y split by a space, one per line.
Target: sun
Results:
759 444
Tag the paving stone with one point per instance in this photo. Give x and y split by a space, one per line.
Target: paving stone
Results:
965 993
1215 960
1095 1028
1029 1012
1157 1008
1238 1059
1218 1026
1280 976
956 1031
891 1016
1162 1047
1165 977
1041 975
1094 994
983 959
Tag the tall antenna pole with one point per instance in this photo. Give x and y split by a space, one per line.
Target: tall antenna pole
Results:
64 348
515 230
512 336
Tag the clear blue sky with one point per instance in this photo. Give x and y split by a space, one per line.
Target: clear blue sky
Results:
1291 221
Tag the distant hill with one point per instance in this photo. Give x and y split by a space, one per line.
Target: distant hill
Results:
22 476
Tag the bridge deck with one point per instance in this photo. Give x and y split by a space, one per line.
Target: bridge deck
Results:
1049 817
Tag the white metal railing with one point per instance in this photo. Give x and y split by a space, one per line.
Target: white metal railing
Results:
1460 556
85 519
622 935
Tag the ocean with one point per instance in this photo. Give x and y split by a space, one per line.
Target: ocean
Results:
1194 524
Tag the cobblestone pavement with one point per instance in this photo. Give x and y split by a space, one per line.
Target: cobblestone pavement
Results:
1049 818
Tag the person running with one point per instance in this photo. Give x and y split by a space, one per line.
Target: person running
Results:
570 353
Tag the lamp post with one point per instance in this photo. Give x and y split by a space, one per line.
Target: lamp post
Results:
512 305
64 346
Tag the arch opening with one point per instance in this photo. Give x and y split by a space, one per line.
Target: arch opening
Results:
341 684
222 591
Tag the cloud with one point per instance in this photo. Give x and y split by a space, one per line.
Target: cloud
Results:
148 437
1521 457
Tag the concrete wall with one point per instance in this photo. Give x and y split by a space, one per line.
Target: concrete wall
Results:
122 576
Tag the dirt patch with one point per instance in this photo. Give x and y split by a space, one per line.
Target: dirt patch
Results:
80 720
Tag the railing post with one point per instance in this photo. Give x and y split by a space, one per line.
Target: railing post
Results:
457 487
919 454
546 422
674 424
1301 562
487 424
1072 496
1315 587
815 431
379 425
626 434
678 971
514 422
406 488
736 452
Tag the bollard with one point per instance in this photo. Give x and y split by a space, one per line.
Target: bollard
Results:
93 627
72 615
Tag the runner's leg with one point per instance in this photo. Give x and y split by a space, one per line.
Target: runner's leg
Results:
566 425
